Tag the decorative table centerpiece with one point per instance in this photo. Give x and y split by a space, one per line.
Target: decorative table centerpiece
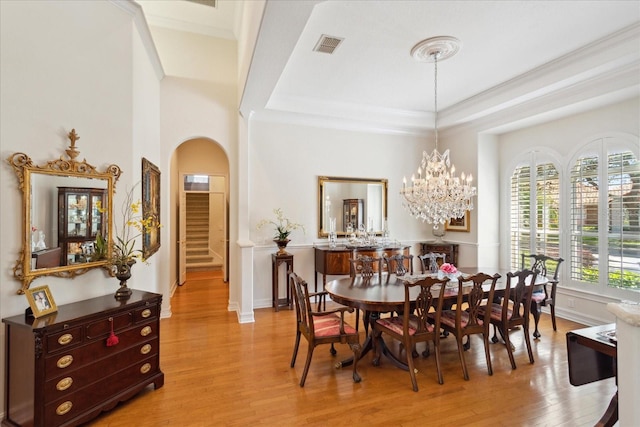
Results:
448 270
283 228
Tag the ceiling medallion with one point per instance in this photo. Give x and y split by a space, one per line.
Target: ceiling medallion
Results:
444 46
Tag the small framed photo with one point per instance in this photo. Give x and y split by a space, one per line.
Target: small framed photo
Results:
41 301
459 224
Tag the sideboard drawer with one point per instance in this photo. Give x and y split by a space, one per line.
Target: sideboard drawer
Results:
102 328
68 338
146 313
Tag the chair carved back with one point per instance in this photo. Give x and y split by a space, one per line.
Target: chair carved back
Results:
300 292
366 267
430 299
431 261
397 264
475 298
519 294
538 262
547 295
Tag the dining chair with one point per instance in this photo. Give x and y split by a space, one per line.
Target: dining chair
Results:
513 310
320 327
413 324
431 261
465 319
399 264
366 267
546 296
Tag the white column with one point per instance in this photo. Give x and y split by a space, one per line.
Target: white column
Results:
628 335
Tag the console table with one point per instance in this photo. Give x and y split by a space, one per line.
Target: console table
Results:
449 249
336 261
59 370
593 357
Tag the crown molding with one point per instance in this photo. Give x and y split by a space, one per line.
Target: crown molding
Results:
591 63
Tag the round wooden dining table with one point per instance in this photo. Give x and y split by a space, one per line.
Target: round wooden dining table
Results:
380 294
385 293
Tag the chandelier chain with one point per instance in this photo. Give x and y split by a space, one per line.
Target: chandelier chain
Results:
435 97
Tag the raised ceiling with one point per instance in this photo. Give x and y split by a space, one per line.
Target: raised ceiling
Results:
520 62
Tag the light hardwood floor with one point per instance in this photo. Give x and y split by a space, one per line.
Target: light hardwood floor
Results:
221 373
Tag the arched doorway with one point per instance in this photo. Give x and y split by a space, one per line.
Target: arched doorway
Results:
200 184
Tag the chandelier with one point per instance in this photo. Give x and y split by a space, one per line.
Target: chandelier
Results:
437 194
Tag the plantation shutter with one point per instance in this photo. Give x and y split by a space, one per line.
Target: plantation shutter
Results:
520 214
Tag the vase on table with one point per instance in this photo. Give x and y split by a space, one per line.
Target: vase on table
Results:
123 273
282 245
439 232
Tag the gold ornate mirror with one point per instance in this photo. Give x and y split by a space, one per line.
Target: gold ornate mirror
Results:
67 215
355 201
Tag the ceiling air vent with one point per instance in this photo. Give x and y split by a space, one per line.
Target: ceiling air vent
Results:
211 3
327 44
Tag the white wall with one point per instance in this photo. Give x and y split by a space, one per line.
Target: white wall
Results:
71 65
285 161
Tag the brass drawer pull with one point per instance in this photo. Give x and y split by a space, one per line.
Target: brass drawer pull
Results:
145 349
146 313
64 407
65 361
64 384
145 368
145 331
65 339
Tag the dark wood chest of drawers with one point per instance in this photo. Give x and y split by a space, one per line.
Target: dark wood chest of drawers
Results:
59 369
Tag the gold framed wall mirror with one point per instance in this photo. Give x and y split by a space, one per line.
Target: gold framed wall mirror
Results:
355 201
66 215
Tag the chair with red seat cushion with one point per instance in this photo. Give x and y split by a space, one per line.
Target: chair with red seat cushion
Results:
413 326
465 319
320 327
513 310
545 297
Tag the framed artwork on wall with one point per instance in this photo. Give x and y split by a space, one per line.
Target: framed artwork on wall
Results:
150 207
459 224
41 301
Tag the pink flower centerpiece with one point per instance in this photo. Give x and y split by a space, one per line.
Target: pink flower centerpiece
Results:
448 268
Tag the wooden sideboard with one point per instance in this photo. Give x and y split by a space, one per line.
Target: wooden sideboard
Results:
336 261
59 370
449 249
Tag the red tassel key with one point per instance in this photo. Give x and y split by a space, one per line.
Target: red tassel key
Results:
113 338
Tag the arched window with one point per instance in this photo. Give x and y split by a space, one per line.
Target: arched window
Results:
535 209
605 214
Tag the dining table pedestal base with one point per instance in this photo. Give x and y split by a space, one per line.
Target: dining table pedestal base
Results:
368 346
